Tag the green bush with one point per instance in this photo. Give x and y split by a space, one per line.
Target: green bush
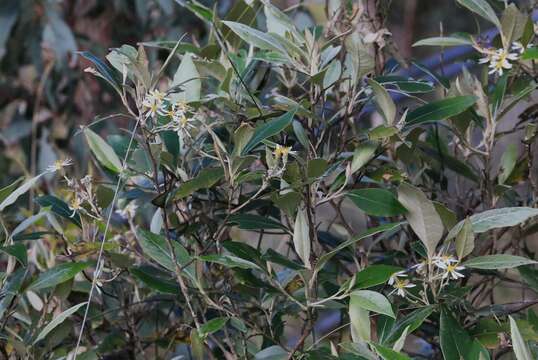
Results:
269 200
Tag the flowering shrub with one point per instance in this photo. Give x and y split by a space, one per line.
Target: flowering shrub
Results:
269 200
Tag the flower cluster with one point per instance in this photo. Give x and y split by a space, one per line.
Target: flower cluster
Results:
443 268
501 59
278 159
156 103
83 193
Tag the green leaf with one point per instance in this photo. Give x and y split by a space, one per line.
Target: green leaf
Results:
389 354
372 301
245 252
7 190
375 275
496 218
57 321
241 137
156 247
14 194
104 70
155 279
103 152
60 208
230 261
499 261
268 129
255 37
359 319
205 179
405 84
255 222
377 202
333 73
316 168
274 352
483 9
187 80
530 276
444 41
465 240
277 258
513 24
422 216
18 251
530 54
301 236
385 104
57 275
213 325
10 288
455 342
519 345
439 110
362 155
373 231
412 321
508 162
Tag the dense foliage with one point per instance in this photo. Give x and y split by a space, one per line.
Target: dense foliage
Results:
268 199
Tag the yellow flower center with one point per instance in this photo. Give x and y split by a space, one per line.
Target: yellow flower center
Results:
282 151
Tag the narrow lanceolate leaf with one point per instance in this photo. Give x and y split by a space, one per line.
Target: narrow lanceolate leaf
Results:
422 216
156 247
465 240
377 202
483 9
14 195
255 37
440 110
360 320
500 261
384 102
411 322
213 325
373 301
59 207
496 218
301 237
455 341
389 354
518 344
18 251
268 129
443 41
57 275
57 321
103 152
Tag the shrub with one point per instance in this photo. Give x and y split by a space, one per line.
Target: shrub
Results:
270 200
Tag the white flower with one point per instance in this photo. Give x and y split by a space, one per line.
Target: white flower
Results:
86 180
59 165
394 277
153 102
518 47
451 270
129 211
400 286
444 260
283 152
75 205
501 61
